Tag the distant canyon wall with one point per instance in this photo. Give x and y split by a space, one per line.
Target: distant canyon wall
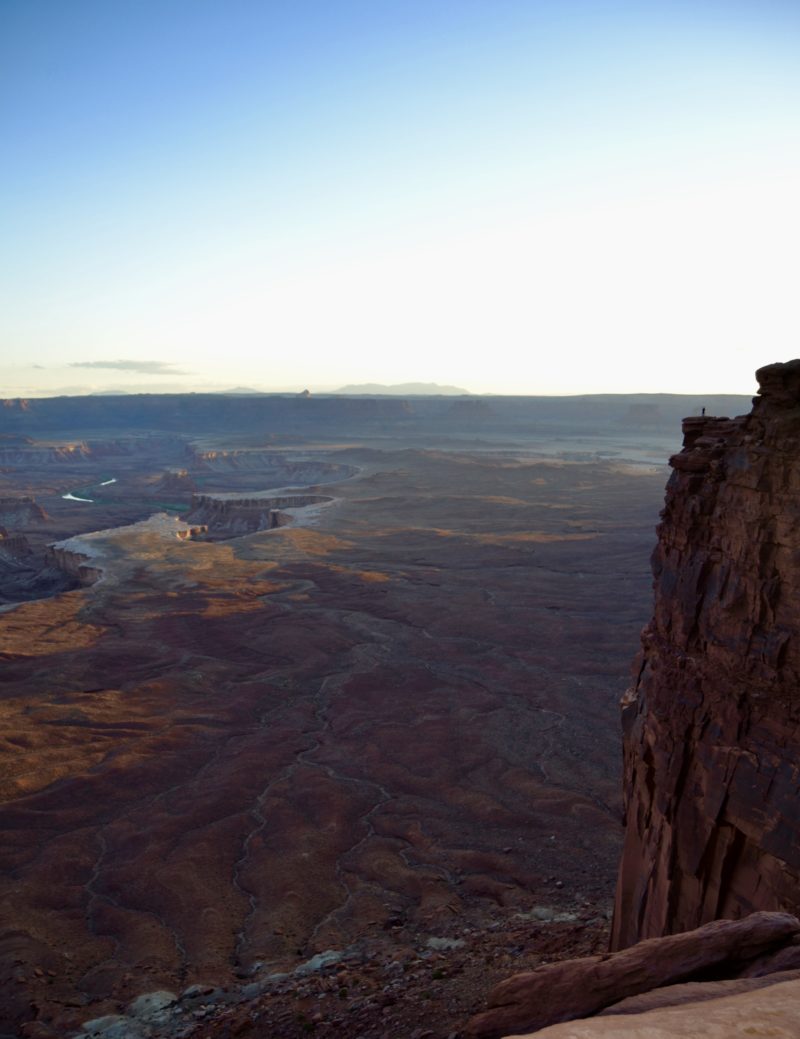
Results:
193 412
26 454
712 725
289 470
19 451
274 417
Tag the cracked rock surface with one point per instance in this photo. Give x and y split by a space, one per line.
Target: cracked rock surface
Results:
712 723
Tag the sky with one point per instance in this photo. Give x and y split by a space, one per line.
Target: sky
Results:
507 196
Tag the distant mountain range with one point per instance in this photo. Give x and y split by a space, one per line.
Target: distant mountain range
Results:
402 389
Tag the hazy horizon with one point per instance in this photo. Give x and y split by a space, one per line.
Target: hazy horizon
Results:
388 390
515 198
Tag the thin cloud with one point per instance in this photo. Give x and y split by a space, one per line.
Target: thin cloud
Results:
143 367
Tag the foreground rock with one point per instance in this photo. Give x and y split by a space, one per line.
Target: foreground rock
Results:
575 989
711 726
772 1011
694 992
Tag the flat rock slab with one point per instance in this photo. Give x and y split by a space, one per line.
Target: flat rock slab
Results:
575 989
772 1011
695 992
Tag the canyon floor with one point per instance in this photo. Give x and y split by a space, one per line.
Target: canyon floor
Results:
388 729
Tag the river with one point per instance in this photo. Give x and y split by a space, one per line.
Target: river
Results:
69 496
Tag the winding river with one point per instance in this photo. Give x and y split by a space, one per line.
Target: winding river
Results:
69 496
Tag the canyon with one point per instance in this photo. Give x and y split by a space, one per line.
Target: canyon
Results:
225 753
324 732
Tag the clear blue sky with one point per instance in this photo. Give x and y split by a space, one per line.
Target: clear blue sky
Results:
506 196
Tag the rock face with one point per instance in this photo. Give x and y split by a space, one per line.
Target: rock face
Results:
75 564
711 725
579 988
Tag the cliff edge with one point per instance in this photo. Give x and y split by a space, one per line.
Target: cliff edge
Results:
711 725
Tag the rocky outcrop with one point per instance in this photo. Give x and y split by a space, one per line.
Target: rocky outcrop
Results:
176 481
74 563
192 533
231 516
575 989
712 722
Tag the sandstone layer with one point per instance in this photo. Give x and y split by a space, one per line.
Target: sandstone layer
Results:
712 723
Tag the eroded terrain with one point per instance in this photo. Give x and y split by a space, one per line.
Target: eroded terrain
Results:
388 717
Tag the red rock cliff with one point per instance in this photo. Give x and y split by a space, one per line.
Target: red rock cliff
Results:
712 724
